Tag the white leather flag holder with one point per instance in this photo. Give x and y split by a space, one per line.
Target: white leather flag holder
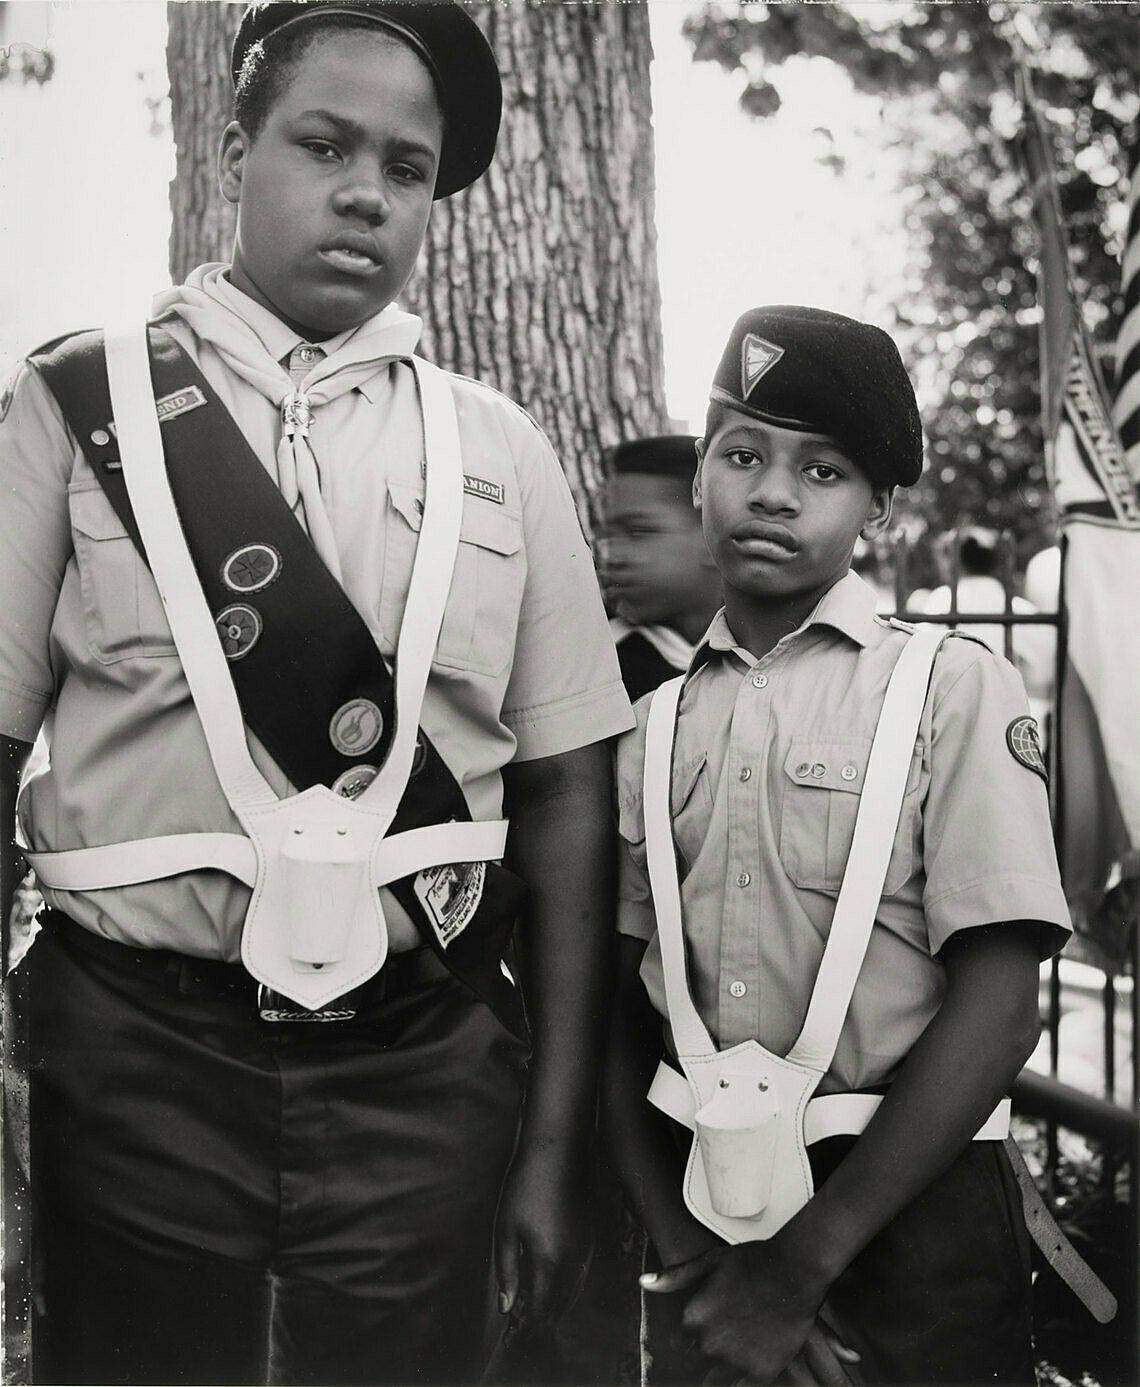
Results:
753 1113
315 926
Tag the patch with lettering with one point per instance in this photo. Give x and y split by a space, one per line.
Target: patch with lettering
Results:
490 491
1024 742
179 402
169 407
450 896
757 357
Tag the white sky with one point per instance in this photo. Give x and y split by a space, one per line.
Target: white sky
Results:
745 213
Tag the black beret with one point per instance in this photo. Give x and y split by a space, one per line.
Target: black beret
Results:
808 369
668 455
448 40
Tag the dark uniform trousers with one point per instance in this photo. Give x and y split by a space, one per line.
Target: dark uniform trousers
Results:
942 1297
220 1199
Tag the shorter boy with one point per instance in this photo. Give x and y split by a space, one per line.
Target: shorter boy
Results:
660 583
914 1235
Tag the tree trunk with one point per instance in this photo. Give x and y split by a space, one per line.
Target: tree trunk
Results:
200 34
542 278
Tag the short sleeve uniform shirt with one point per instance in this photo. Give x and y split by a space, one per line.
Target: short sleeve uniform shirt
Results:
768 767
524 666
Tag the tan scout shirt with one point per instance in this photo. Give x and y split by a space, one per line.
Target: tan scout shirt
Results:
524 668
769 764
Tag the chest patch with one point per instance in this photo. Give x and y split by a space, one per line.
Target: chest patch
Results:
450 896
490 491
1024 742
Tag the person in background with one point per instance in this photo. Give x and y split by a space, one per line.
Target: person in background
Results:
660 584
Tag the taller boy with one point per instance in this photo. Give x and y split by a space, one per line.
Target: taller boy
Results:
300 1181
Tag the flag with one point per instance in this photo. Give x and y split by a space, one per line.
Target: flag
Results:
1097 794
1126 405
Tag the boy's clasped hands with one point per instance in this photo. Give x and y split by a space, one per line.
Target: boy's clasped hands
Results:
756 1309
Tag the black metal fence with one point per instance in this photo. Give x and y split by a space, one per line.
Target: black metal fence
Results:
1110 1117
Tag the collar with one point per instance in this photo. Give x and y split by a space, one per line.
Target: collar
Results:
848 606
279 339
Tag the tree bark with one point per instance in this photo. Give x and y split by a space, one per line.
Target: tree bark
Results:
541 279
200 34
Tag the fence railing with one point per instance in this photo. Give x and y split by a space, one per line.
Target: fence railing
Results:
1107 1118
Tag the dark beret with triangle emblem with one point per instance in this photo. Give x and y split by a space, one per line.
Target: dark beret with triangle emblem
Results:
820 372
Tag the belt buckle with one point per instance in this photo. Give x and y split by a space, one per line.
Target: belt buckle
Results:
275 1007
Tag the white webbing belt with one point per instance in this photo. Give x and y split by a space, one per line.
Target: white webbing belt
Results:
207 673
880 806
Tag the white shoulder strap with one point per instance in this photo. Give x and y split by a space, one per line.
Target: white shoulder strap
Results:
879 808
880 805
128 370
140 447
689 1033
430 582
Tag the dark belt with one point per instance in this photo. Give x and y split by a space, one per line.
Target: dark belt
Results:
207 979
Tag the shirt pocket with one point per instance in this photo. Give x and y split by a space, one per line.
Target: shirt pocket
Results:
482 613
691 806
822 788
122 611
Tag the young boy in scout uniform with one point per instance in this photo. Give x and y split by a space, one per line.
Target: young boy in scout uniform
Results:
302 1180
659 581
912 1247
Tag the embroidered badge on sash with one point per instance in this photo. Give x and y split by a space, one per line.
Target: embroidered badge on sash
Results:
756 358
450 896
353 782
1024 742
179 402
356 727
240 629
251 568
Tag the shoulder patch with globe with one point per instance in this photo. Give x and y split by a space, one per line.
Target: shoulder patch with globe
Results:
1024 742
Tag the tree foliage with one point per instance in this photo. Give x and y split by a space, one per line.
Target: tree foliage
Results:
966 303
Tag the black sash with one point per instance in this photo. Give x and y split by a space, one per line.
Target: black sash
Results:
307 671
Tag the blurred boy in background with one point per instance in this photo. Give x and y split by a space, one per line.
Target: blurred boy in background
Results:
660 584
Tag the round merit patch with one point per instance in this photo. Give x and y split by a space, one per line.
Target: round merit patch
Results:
251 568
1024 742
353 782
240 628
356 727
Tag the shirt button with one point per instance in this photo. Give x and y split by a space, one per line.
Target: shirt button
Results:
804 768
746 772
737 988
849 772
759 681
305 354
818 770
744 878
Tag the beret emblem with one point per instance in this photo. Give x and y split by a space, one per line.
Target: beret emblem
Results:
757 357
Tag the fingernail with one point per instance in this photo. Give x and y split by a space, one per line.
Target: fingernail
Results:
648 1278
504 1302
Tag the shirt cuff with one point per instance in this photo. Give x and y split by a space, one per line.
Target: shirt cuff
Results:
22 711
997 900
570 723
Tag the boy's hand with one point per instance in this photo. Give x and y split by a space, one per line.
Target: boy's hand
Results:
542 1243
753 1308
